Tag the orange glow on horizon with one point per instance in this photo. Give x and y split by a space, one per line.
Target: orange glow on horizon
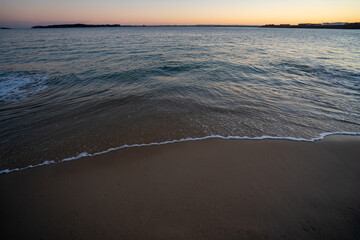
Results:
229 12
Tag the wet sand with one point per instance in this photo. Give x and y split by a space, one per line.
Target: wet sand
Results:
209 189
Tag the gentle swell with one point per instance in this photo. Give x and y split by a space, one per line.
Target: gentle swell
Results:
84 154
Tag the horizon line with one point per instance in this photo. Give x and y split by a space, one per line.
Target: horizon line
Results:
143 25
166 25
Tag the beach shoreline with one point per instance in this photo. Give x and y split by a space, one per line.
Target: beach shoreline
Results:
207 189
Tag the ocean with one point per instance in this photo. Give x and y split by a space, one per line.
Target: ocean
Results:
69 93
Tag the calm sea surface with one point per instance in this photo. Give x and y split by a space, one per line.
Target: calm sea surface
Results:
68 91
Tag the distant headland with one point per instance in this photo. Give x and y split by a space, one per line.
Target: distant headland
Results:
337 25
4 28
80 25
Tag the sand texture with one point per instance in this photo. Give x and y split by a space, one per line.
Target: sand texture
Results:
210 189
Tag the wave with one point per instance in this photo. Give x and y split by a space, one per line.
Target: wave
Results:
85 154
15 86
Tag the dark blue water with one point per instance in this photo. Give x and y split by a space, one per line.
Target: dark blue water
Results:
66 91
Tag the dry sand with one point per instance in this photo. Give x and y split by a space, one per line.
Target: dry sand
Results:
210 189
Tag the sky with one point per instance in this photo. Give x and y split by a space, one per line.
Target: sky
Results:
27 13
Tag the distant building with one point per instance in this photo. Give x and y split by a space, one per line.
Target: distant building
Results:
336 25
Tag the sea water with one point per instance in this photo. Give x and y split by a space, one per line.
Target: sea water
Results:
64 92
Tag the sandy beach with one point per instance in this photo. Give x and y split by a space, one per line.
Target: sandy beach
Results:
209 189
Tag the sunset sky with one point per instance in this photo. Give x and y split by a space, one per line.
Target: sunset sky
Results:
26 13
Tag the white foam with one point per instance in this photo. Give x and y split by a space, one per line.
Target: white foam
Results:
85 154
15 86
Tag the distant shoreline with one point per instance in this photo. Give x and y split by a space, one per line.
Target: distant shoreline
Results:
314 26
118 25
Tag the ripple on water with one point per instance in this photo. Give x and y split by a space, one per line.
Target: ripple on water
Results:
17 86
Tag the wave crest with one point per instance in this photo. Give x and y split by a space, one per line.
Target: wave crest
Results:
16 86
